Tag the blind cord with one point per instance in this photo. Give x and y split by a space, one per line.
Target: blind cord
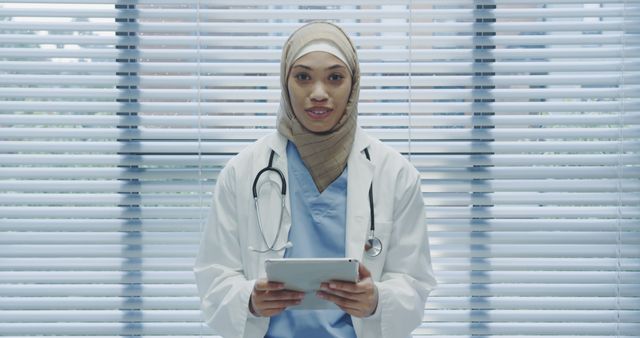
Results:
619 172
410 126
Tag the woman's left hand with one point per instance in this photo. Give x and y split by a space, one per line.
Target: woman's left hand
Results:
357 299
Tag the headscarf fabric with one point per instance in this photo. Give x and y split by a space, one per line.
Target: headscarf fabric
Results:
324 154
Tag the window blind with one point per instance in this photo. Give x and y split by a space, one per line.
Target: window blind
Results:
521 115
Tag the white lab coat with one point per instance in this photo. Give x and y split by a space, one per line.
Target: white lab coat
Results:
226 269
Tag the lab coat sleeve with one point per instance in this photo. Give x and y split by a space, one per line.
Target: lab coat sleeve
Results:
222 286
407 276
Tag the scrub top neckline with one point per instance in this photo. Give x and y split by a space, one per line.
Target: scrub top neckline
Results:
305 181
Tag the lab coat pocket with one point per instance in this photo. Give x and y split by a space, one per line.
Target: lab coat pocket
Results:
375 264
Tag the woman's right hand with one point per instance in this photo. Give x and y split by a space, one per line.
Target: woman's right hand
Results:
270 298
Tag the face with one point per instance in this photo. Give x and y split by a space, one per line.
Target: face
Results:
319 87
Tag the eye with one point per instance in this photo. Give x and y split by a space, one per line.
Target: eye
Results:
336 77
302 77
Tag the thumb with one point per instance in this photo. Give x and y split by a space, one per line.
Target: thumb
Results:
363 272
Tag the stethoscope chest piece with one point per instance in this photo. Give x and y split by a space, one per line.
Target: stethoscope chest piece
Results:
373 246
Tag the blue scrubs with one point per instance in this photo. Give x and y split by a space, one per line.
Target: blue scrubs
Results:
318 230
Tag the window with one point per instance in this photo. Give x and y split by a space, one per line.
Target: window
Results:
522 116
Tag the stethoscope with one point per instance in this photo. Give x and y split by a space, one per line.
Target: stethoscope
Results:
373 245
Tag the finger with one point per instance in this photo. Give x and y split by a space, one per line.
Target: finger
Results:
353 308
270 305
344 286
347 295
340 301
281 295
269 286
273 312
265 285
363 272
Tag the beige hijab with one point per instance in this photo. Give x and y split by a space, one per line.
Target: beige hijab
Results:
324 154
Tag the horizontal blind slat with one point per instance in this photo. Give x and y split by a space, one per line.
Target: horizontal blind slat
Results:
367 81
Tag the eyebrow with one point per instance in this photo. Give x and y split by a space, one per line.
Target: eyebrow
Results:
329 68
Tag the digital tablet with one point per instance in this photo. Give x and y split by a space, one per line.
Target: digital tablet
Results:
306 275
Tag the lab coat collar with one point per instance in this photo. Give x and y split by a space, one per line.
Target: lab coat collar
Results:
359 176
278 143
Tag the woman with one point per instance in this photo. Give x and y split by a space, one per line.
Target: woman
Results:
334 172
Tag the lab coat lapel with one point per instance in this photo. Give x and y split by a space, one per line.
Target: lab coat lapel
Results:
360 174
278 144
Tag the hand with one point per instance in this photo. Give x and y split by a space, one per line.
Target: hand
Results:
270 298
357 299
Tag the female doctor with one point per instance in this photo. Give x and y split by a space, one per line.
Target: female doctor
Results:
324 188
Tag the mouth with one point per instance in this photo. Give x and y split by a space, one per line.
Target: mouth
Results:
318 113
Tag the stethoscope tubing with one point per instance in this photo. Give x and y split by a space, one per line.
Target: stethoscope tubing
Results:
373 242
264 239
270 167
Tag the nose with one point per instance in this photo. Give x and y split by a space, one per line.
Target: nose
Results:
319 94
